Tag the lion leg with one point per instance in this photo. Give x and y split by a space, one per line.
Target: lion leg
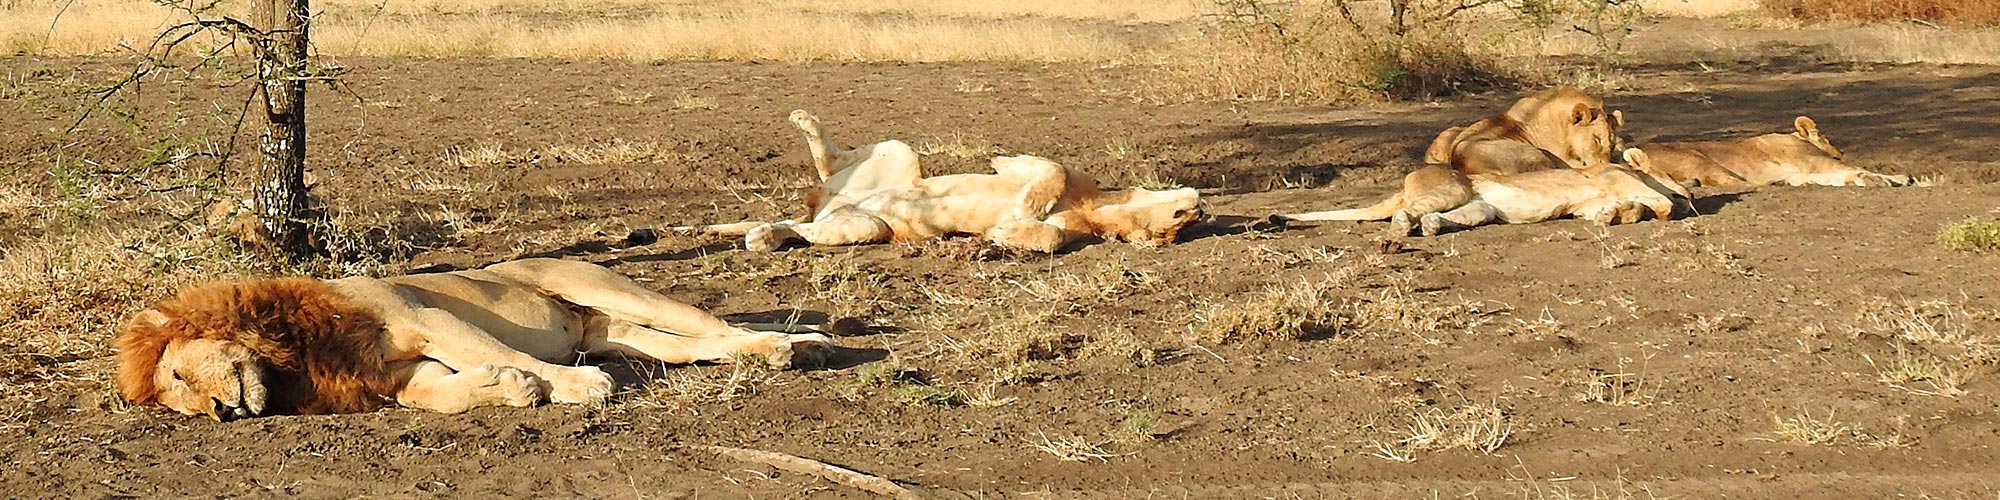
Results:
1042 184
1030 235
611 294
464 347
1476 213
844 228
815 142
437 334
780 350
431 385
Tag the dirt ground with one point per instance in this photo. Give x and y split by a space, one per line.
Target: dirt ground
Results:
1740 353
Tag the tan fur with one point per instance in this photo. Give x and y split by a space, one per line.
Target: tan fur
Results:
1558 128
1448 200
1803 157
877 193
446 342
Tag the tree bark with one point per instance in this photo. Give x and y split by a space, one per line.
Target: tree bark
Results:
280 197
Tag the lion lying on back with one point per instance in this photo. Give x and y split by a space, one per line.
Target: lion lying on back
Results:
445 342
876 193
1436 199
1803 157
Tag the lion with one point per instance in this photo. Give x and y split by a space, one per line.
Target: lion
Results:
877 193
1803 157
1557 128
1435 199
444 342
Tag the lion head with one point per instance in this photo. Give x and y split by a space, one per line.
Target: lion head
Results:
1147 217
1809 132
1571 123
241 349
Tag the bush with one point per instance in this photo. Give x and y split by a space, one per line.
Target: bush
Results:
1348 50
1971 234
1946 12
1335 51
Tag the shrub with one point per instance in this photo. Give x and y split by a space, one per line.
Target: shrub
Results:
1335 51
1971 234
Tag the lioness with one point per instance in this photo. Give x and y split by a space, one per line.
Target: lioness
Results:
877 193
445 342
1556 128
1802 157
1435 199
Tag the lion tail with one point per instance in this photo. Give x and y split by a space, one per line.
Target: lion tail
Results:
1378 211
730 229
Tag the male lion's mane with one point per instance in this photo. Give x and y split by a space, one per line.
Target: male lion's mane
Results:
321 354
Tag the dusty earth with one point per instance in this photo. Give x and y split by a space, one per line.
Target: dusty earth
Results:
1736 354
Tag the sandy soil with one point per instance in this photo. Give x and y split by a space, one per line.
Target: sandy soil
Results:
1656 360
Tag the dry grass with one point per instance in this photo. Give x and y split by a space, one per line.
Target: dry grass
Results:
1072 448
1920 374
1697 8
1307 309
852 31
1472 427
1807 429
690 389
1947 12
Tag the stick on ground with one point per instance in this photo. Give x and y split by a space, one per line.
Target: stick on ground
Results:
819 469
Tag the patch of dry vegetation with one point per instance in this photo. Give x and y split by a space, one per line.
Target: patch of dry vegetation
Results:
862 30
1307 309
1473 427
1939 345
1945 12
1807 429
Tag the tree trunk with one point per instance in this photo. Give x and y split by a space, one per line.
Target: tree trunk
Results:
282 204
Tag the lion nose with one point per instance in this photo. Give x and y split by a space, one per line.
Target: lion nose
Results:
224 412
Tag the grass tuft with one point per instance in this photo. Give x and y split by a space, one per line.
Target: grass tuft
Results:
1971 235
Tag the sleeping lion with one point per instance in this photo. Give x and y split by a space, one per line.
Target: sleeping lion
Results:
877 193
445 342
1803 157
1557 128
1436 199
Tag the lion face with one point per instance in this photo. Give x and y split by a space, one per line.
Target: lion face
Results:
1594 134
218 379
1157 217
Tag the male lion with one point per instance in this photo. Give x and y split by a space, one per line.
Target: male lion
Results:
1435 199
445 342
1803 157
877 193
1556 128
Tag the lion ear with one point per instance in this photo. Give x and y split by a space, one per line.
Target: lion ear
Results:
1583 113
1618 118
1806 127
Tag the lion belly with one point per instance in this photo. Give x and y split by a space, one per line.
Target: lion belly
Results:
1532 197
515 314
943 205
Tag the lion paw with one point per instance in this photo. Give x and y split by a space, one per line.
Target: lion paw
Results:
506 385
802 119
582 384
800 351
1401 224
762 239
1431 224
